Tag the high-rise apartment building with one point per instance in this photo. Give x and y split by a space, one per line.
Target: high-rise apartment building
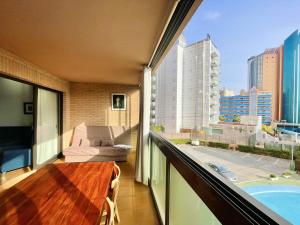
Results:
200 101
169 89
265 73
291 79
187 86
255 72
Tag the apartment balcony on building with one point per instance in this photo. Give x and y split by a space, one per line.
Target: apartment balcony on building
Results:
153 104
213 94
214 70
214 81
75 139
214 55
214 63
214 74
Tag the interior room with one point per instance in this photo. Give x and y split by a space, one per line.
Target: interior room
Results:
16 125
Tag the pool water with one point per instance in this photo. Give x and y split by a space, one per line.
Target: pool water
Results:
284 200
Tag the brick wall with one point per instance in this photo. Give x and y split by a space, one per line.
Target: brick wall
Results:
91 105
15 67
82 103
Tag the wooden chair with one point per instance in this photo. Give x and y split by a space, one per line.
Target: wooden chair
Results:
115 185
108 213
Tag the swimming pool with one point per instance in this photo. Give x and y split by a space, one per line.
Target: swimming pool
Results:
282 199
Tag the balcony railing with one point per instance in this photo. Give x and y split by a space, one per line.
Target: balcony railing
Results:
185 192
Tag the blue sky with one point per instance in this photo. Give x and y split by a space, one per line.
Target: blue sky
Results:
241 29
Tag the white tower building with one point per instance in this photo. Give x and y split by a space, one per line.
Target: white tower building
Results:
169 89
200 95
187 86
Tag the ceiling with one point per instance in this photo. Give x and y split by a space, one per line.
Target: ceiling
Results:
105 41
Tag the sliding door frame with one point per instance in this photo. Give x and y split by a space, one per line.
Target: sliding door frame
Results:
35 101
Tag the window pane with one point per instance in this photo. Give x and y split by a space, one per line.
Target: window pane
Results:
185 205
158 180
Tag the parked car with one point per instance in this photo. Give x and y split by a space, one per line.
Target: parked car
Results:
223 171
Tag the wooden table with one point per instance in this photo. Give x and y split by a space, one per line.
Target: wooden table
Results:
67 193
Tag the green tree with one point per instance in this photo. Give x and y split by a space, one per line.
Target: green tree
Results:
236 118
157 128
268 129
221 118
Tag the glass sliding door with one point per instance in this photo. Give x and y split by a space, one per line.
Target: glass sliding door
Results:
47 126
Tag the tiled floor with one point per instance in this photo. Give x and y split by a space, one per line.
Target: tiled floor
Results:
134 201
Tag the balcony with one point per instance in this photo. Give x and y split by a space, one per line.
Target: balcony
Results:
101 77
182 188
214 55
214 64
214 80
213 85
214 74
213 94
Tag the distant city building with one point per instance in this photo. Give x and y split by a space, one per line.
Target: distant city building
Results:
187 90
265 73
251 120
243 92
231 106
291 79
258 103
226 92
255 72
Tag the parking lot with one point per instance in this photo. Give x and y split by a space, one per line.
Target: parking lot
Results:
246 166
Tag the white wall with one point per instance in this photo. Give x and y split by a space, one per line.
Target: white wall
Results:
12 96
169 89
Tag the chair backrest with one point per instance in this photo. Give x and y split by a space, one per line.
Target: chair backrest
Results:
115 184
110 212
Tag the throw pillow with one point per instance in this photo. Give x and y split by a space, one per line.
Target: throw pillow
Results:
96 142
91 142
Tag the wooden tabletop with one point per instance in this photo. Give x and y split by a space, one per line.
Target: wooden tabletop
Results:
67 193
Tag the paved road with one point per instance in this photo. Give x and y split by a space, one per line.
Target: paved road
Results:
247 167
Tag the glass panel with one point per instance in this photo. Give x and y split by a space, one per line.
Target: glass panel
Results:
158 181
185 205
47 126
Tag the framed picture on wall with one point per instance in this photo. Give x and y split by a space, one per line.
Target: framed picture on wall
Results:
118 101
28 108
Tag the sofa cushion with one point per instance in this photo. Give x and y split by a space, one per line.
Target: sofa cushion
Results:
107 142
107 151
90 142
